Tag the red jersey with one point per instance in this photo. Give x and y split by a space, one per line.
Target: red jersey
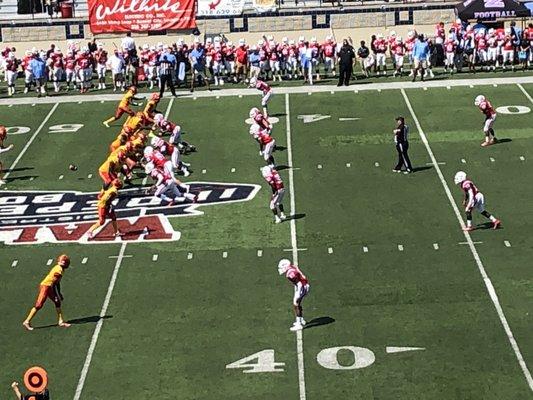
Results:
467 186
12 64
70 62
295 276
487 109
263 137
101 57
380 45
529 33
328 49
449 46
508 44
166 126
158 159
274 180
481 42
398 49
82 61
260 120
262 86
242 54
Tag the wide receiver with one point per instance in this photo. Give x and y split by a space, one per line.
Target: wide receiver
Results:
490 116
278 192
473 199
301 289
50 288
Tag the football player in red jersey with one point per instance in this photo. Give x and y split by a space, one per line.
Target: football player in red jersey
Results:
267 144
473 199
301 289
278 192
490 116
3 135
266 92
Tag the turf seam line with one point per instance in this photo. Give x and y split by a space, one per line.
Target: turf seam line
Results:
488 283
294 245
100 322
30 141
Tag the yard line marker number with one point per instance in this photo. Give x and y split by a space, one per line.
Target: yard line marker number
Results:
100 322
486 279
30 141
294 245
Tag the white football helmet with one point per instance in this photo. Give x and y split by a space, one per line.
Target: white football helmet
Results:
148 168
253 81
301 39
313 39
392 33
217 39
398 39
148 151
152 48
479 99
158 118
242 42
254 111
508 30
291 42
265 171
260 42
283 266
209 40
380 36
460 177
146 46
285 40
329 38
157 142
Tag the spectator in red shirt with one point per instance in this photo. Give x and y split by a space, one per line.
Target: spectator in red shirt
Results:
241 58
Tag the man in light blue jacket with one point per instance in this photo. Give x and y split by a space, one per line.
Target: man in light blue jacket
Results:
38 68
420 56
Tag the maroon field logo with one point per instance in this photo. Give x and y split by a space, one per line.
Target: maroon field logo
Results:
58 217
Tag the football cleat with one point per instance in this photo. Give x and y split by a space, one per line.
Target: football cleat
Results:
277 220
485 144
64 324
283 217
496 224
468 228
27 325
296 327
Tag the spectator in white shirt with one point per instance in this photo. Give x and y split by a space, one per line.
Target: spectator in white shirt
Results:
117 64
128 44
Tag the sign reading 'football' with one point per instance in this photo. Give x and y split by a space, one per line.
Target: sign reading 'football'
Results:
140 15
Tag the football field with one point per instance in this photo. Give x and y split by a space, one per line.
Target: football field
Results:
403 304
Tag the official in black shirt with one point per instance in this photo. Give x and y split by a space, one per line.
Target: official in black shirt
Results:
346 56
402 146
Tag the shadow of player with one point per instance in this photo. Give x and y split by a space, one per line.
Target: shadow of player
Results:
319 321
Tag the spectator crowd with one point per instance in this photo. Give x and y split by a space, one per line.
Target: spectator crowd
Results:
218 61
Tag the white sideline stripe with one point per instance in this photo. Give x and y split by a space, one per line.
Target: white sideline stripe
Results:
29 142
14 263
507 243
525 93
100 322
294 245
84 261
240 92
483 272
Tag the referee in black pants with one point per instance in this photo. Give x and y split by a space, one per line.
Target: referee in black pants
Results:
402 146
167 64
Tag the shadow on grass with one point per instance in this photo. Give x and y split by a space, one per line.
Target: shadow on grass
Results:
78 321
319 321
295 216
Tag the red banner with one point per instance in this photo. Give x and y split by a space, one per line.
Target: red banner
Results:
140 15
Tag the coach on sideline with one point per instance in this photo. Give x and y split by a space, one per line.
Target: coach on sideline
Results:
346 56
402 145
167 65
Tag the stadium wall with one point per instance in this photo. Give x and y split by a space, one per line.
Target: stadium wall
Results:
358 22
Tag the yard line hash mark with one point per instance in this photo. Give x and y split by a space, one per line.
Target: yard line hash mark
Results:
294 245
49 262
330 250
30 141
259 253
189 256
155 257
365 249
486 280
400 247
100 322
84 260
436 246
14 263
522 158
507 243
225 254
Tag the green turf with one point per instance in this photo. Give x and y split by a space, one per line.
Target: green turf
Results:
209 299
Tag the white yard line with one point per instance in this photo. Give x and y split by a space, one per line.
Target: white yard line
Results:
30 141
294 245
488 283
100 322
240 92
525 93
